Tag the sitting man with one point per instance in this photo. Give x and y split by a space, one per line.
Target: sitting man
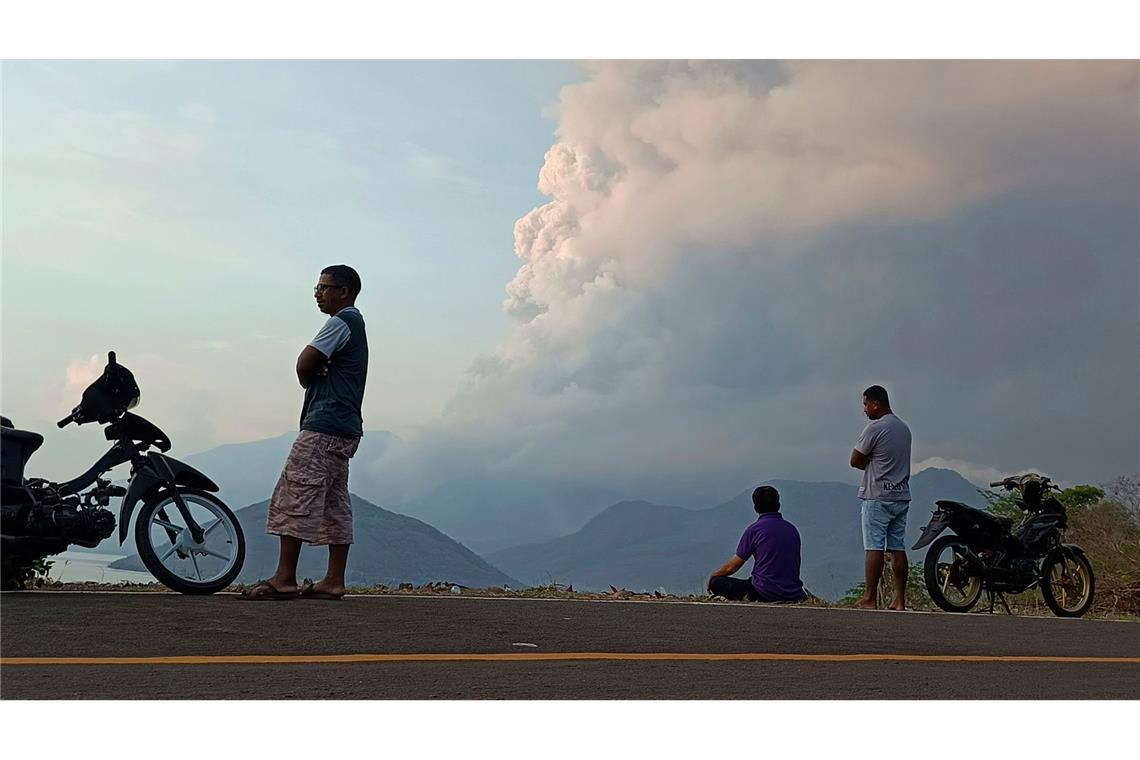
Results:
775 545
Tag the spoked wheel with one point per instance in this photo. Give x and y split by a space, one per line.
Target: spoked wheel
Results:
1067 583
169 551
951 580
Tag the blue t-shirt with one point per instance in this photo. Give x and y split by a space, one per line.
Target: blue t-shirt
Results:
774 543
332 402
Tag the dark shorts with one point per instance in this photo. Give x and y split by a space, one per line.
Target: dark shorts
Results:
311 501
740 589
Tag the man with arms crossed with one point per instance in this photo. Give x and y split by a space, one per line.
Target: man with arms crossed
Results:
883 454
311 502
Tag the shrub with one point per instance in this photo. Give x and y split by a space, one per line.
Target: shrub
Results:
916 596
17 572
1105 522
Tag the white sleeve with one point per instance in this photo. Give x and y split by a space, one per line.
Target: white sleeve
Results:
331 337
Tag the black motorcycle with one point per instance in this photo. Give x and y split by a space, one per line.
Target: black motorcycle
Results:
987 553
187 537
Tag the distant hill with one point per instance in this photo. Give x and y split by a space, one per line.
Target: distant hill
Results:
639 545
491 513
389 548
483 511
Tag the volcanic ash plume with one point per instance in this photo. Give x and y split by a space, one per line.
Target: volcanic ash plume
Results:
732 251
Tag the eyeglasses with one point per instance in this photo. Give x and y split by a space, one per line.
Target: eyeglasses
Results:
322 287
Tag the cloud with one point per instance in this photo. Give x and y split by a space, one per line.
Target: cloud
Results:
214 344
131 138
657 160
732 252
95 181
200 394
425 164
79 374
979 474
197 112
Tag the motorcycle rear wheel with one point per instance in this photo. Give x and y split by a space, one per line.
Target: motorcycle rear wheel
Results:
183 565
1067 584
949 580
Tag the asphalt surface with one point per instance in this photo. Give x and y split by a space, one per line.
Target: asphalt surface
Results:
795 647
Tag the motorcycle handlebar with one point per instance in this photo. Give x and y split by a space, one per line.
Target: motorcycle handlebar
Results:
66 420
1011 483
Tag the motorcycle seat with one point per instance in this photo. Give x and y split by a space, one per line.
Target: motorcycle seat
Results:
16 446
997 521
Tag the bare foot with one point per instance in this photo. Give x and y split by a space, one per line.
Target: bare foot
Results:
899 606
866 604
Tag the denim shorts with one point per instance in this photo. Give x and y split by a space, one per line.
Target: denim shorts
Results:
884 525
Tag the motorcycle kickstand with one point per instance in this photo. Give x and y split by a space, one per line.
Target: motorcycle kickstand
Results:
994 596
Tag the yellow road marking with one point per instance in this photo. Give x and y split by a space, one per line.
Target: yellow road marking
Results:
333 659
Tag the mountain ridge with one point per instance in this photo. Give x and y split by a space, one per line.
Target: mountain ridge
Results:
389 548
682 546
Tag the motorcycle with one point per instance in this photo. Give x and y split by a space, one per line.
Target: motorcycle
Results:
988 553
185 535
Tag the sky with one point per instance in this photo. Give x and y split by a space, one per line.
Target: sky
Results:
669 278
276 233
179 213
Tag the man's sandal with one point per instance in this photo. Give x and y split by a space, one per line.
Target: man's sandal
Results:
265 591
309 592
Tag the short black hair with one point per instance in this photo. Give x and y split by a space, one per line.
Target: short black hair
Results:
766 499
878 394
345 276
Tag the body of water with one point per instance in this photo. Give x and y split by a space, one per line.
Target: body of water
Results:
76 567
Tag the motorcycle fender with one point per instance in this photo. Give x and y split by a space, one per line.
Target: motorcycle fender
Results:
1069 551
938 522
159 470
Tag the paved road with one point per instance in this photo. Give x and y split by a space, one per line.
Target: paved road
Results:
419 648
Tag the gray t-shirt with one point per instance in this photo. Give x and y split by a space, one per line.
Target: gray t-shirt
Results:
887 442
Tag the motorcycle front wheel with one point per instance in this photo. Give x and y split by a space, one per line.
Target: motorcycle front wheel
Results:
1067 583
951 580
170 552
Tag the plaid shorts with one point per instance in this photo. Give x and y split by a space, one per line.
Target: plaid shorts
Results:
311 501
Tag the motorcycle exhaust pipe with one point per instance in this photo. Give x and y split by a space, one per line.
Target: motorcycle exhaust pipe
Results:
19 540
89 543
15 542
973 559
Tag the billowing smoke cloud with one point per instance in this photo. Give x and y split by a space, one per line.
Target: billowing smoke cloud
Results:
733 251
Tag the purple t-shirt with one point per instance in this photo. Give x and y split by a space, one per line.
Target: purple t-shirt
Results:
775 545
